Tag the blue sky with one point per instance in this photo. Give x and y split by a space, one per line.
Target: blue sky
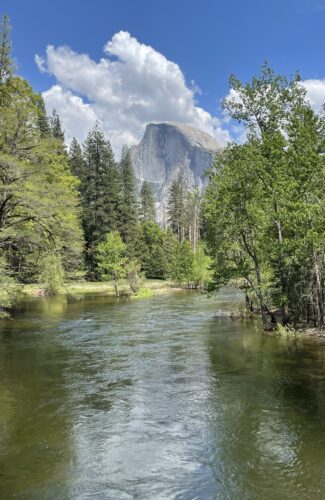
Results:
208 40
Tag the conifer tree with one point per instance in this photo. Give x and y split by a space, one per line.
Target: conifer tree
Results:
100 191
55 126
7 66
43 123
147 203
128 218
177 208
76 161
6 62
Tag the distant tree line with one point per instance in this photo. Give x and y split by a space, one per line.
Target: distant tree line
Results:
112 202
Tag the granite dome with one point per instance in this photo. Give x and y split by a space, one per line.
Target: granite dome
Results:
168 150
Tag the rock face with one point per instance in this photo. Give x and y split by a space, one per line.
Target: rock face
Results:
168 150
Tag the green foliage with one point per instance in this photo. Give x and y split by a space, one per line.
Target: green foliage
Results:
111 258
52 273
176 208
56 127
76 162
9 289
7 66
147 203
143 293
202 263
182 264
286 331
153 249
184 212
99 188
43 123
133 275
39 205
264 205
128 209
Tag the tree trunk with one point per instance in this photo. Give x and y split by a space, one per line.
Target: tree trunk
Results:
282 274
318 294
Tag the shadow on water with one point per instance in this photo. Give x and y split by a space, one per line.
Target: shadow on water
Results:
268 409
35 429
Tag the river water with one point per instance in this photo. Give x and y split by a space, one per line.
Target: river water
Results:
154 399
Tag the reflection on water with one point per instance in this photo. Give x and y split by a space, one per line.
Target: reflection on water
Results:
155 399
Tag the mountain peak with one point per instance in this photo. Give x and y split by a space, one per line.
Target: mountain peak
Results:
170 149
195 136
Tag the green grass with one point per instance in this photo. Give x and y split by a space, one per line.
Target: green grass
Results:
143 293
99 287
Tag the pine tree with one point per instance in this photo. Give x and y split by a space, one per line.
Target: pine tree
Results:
43 123
7 66
55 126
193 219
6 63
177 208
100 191
76 161
128 219
147 203
154 249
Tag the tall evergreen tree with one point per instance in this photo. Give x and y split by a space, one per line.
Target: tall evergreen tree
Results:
100 191
177 207
7 66
154 250
193 218
6 63
55 126
128 218
147 203
76 161
43 123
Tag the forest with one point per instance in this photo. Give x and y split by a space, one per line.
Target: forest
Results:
74 212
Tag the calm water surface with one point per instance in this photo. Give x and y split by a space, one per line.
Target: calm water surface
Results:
154 399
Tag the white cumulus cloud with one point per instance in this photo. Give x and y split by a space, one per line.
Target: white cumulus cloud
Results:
129 87
315 93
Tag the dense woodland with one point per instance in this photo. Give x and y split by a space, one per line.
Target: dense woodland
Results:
72 212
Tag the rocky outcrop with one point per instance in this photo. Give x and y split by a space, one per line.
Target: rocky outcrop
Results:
168 150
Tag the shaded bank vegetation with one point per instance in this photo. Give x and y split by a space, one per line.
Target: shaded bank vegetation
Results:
265 203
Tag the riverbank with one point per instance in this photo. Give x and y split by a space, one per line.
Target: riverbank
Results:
277 330
105 288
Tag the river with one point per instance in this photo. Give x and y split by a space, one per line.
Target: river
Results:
154 399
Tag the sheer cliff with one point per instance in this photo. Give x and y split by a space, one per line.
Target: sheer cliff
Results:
168 150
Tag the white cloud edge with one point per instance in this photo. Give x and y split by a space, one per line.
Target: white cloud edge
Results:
132 86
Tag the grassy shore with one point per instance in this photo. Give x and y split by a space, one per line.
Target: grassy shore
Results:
101 288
